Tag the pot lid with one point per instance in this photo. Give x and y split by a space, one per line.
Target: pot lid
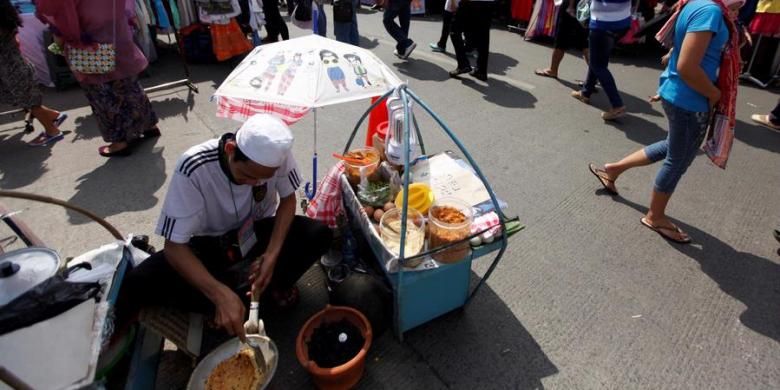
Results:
23 269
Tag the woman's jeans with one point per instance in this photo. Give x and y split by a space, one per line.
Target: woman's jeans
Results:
601 43
686 133
348 32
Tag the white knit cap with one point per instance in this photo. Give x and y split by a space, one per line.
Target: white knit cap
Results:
265 139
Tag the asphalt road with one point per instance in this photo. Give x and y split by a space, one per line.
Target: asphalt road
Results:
585 297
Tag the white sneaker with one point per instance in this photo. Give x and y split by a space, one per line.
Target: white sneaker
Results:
409 50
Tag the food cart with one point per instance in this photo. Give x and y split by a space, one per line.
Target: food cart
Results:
425 288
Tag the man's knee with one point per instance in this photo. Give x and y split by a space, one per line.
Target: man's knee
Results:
322 236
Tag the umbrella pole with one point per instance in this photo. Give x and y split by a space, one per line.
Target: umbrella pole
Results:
311 187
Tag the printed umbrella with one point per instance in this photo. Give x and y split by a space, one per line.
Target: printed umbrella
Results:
290 77
310 71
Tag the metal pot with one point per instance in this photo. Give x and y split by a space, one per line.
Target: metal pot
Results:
23 269
226 351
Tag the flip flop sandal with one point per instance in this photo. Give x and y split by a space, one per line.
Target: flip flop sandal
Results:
44 139
763 120
579 96
60 119
661 229
597 172
545 73
105 151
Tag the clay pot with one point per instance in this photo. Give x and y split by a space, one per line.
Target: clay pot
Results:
347 375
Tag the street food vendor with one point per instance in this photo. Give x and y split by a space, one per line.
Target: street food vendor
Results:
229 225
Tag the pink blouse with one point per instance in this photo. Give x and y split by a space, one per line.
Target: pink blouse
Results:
83 22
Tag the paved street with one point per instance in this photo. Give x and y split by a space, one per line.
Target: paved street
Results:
585 298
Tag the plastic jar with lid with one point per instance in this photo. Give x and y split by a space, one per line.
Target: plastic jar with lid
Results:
450 221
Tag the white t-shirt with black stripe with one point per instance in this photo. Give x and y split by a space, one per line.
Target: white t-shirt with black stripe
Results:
202 201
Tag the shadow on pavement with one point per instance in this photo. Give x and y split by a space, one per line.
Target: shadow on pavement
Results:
86 126
757 136
753 280
634 105
499 63
423 70
481 346
122 184
639 129
12 149
501 93
368 44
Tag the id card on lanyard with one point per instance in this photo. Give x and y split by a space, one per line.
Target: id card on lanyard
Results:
246 236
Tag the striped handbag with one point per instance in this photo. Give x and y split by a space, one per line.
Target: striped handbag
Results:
97 59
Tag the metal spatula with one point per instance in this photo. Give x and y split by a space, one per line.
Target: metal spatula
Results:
256 328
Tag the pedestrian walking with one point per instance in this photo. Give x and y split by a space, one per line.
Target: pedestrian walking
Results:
705 39
474 16
400 9
609 21
771 120
18 87
570 34
447 16
120 105
274 23
345 25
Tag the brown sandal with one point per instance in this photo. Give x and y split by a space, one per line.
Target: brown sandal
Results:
545 73
661 229
601 175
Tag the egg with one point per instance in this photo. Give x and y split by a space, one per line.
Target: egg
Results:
378 213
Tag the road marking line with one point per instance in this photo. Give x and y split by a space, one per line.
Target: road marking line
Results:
447 61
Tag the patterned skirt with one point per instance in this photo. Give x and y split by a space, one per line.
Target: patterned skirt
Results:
18 87
122 109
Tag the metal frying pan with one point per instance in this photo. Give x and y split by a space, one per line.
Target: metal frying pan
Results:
227 350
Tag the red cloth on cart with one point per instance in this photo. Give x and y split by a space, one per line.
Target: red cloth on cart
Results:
521 9
327 204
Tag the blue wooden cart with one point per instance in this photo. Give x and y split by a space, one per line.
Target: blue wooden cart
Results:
420 296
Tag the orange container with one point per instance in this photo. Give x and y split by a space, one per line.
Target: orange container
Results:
379 139
375 118
347 375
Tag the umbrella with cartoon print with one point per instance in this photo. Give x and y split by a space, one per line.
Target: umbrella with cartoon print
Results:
290 77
